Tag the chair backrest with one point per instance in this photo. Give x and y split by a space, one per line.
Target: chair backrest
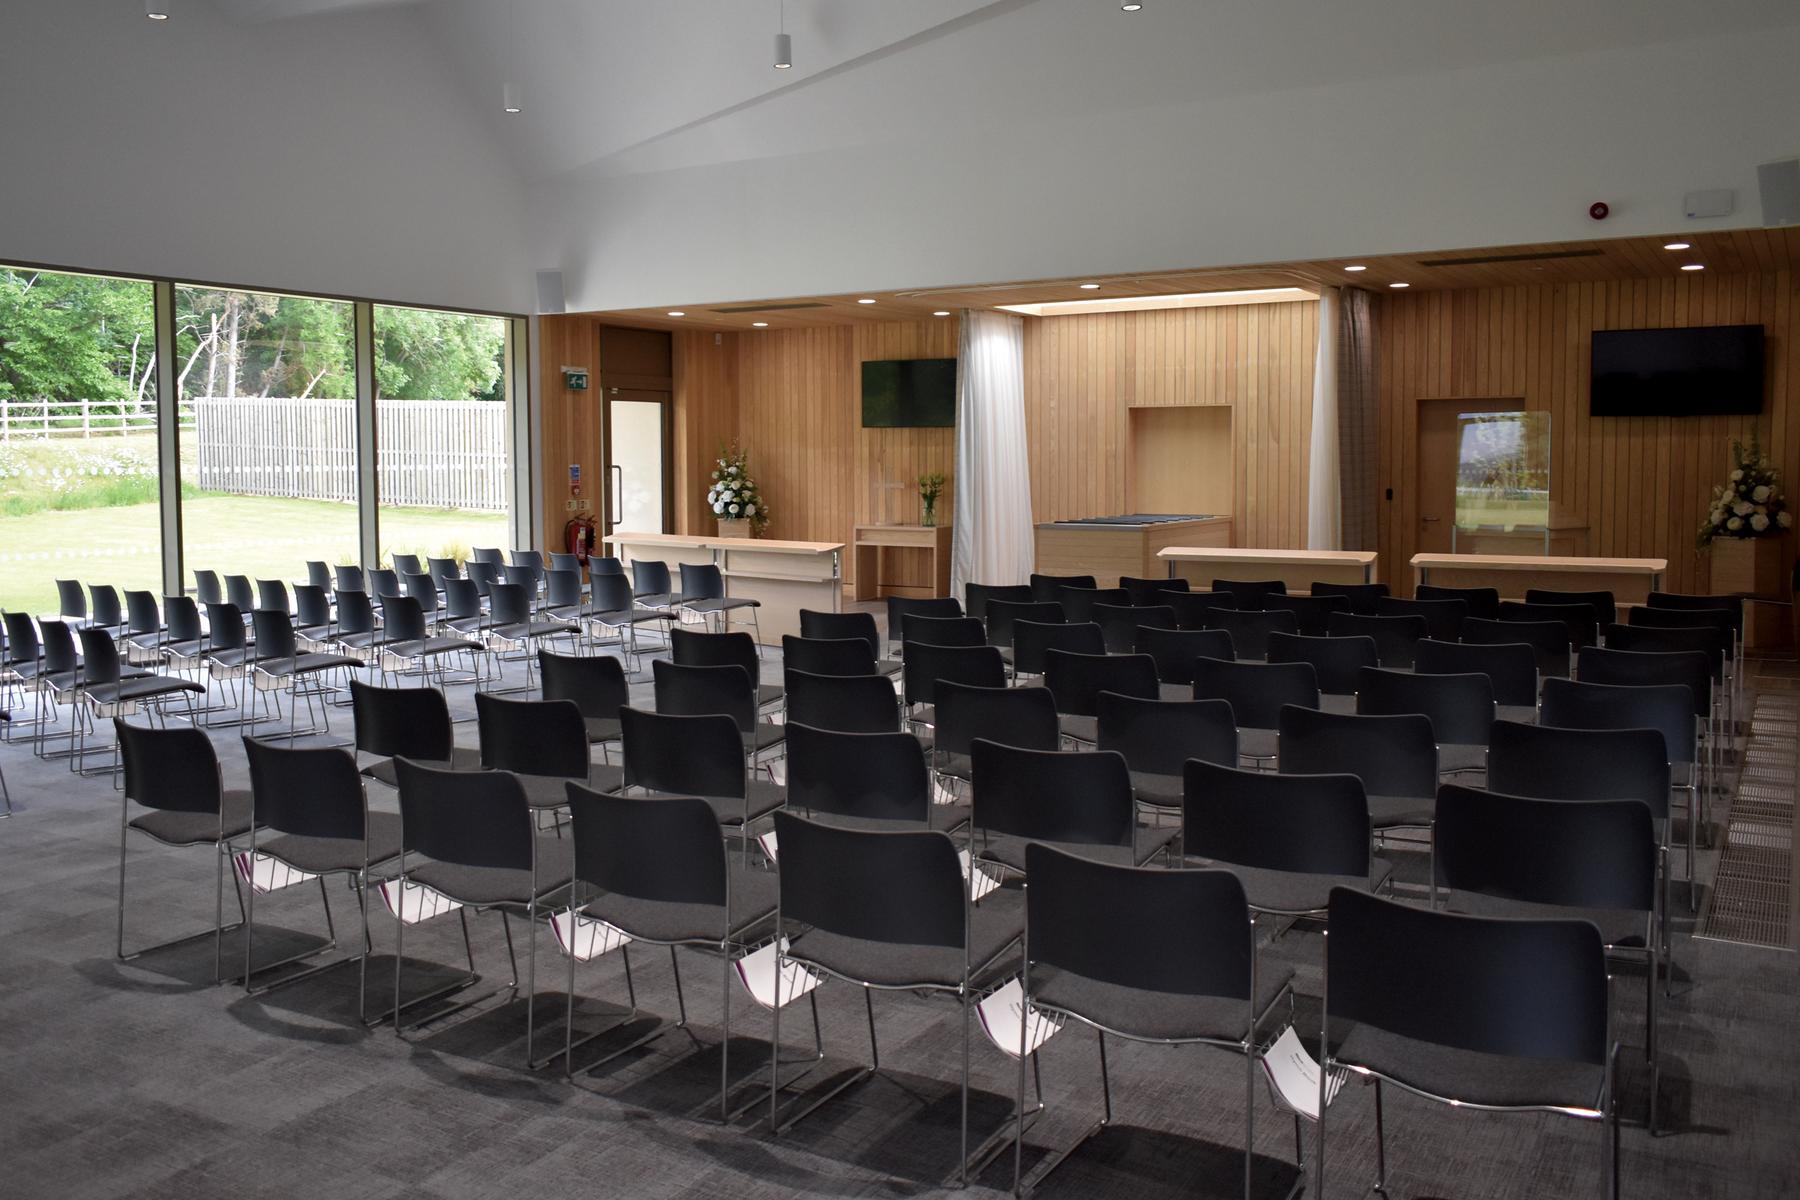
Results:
462 599
1396 637
1522 988
421 588
1583 629
486 554
844 881
1605 609
408 564
207 588
827 656
443 570
318 574
844 703
313 604
1460 707
1732 606
1023 717
1174 650
1078 603
1337 661
610 594
175 769
1049 587
528 558
402 620
1665 617
1712 641
1549 640
1088 918
977 596
924 665
225 627
143 616
1362 596
1250 629
1150 592
523 575
484 573
60 655
22 644
466 818
1443 618
1579 853
692 648
1257 692
1033 640
106 611
650 577
663 849
1158 736
725 689
1483 602
383 581
702 581
274 634
1666 708
1551 763
346 578
306 791
509 604
1119 626
929 606
830 625
564 562
1642 668
1511 667
1312 614
1249 593
272 593
355 614
1393 755
409 722
605 564
594 682
239 592
1076 680
1052 796
183 617
99 655
1003 617
942 631
532 737
689 756
1192 609
871 775
1315 824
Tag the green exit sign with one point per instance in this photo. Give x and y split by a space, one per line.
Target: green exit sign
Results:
575 379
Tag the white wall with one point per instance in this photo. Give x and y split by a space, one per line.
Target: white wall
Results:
333 154
1483 154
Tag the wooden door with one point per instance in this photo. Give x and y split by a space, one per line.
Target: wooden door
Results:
1435 486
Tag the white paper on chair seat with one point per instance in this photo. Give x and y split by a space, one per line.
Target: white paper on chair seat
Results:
756 971
942 792
1293 1076
1001 1014
980 882
590 937
265 875
421 903
767 842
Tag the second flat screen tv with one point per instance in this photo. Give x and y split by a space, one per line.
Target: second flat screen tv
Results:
901 393
1716 369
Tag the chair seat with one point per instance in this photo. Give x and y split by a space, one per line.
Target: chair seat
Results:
766 736
889 666
306 664
1292 893
1256 743
760 799
1337 702
146 687
470 625
236 656
1402 812
1158 791
1156 1016
462 758
198 828
1009 851
754 894
941 817
769 693
534 629
1081 728
1621 927
484 886
1524 714
627 616
1457 756
602 729
719 604
994 925
1473 1076
551 791
321 856
427 647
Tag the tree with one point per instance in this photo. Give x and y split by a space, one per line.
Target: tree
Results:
73 337
425 355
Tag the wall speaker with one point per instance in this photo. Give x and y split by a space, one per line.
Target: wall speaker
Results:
1779 183
550 293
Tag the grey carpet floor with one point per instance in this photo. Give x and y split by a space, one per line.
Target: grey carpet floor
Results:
143 1079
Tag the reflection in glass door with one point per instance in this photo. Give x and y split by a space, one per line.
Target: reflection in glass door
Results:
635 443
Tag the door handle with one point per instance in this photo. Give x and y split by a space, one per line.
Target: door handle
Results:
618 497
1430 519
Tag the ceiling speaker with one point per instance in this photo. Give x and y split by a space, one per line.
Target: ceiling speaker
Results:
550 293
1779 183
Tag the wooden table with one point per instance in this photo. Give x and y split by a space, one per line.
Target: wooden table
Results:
784 576
1108 552
870 540
1630 580
1299 569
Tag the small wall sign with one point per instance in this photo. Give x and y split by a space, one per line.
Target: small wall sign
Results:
575 378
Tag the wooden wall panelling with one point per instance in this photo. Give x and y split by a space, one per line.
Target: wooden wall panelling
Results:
570 420
706 414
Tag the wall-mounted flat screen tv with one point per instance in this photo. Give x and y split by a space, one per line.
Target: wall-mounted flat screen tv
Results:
907 392
1712 370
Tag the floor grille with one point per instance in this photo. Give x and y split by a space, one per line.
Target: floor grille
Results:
1751 901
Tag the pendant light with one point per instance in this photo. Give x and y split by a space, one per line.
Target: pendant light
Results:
784 45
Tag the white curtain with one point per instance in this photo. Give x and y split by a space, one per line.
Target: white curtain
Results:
993 541
1324 528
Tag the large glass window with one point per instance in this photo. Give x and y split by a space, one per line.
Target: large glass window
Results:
78 475
441 432
268 432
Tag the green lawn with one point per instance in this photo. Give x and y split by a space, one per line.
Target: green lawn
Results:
262 537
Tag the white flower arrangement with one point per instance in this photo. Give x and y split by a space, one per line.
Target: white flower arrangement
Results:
1750 502
733 495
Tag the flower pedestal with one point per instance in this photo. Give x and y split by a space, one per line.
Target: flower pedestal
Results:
734 529
1752 566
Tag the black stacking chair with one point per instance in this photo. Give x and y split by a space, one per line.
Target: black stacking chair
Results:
942 631
1396 638
1510 667
1032 641
655 870
408 564
691 649
442 571
838 919
703 593
1460 708
312 615
977 666
238 591
1250 629
279 665
106 612
1003 617
462 614
1257 692
977 597
411 723
898 607
71 603
184 646
1091 957
1024 717
1395 757
310 801
1636 668
1510 856
1174 650
1362 596
469 837
564 597
1150 593
1119 627
318 573
356 632
1337 661
1482 602
1194 609
651 585
595 683
1443 618
272 595
1549 641
1076 681
1157 737
842 703
1732 607
144 633
605 564
228 656
1289 839
1726 621
864 781
406 646
383 582
1312 614
724 688
1713 641
1080 802
484 575
106 690
1078 603
1049 587
513 627
827 656
1606 611
696 756
174 775
1435 1003
824 625
542 742
486 554
345 578
1250 593
612 610
208 589
1578 619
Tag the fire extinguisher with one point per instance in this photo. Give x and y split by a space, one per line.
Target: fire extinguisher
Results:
578 536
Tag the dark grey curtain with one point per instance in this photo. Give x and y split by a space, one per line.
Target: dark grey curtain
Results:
1357 483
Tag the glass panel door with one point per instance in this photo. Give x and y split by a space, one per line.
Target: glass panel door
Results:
636 427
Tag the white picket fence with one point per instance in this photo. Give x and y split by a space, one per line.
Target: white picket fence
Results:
33 420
